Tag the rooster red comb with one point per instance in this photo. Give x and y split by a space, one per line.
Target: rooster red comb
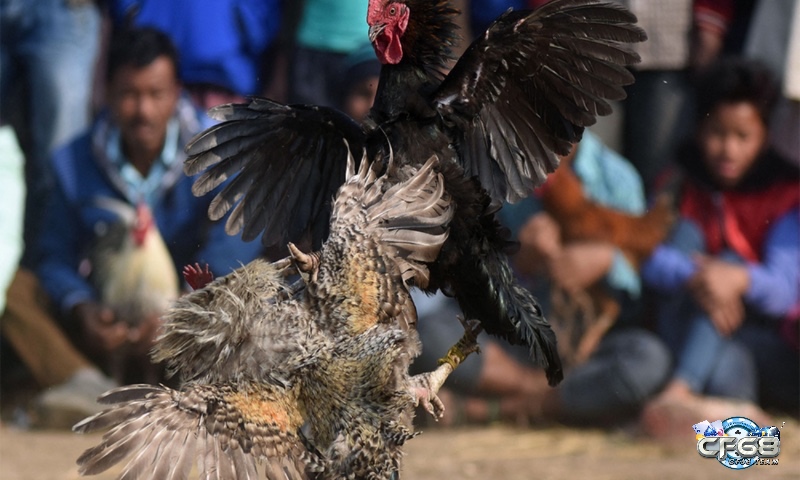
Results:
375 9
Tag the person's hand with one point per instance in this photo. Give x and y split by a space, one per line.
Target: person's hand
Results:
143 336
727 317
581 264
718 287
101 329
540 242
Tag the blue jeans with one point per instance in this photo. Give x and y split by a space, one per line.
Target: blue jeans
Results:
754 364
777 367
48 51
629 366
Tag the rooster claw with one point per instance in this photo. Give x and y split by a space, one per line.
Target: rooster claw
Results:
425 386
307 263
196 276
425 396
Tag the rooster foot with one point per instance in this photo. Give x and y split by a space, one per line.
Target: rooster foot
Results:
307 263
196 276
425 386
424 389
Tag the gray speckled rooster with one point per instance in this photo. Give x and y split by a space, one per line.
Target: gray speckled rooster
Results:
296 380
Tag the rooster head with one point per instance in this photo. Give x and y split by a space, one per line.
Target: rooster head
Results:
142 224
387 20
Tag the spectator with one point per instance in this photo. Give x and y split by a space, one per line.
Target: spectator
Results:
132 155
359 83
48 50
767 31
623 370
12 184
730 273
661 85
223 44
719 29
72 381
774 38
327 32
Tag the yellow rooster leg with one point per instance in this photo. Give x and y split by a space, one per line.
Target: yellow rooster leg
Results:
425 386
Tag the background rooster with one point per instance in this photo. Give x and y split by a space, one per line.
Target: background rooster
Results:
131 266
582 318
520 94
134 274
262 358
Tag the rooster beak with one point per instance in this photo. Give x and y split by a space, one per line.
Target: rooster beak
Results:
375 30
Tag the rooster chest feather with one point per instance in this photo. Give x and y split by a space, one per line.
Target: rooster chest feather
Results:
133 272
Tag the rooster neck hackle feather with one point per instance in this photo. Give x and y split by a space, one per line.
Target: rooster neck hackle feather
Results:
431 35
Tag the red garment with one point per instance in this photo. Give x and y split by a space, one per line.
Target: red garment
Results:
738 220
713 15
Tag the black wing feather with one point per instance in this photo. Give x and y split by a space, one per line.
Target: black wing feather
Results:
287 161
535 79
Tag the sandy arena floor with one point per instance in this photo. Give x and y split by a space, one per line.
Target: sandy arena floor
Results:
466 453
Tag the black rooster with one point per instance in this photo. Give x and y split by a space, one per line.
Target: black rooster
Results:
520 95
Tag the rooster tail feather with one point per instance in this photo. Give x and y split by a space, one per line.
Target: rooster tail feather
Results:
536 332
489 292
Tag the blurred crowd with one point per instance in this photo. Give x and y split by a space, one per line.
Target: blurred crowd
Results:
665 250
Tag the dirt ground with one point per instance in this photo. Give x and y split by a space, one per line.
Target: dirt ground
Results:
495 452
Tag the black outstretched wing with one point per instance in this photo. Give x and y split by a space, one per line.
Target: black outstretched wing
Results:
288 162
524 90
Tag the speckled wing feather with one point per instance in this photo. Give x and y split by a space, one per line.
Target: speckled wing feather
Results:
288 162
409 218
382 234
245 323
231 432
527 87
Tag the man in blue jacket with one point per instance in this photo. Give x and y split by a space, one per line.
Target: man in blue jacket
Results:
132 155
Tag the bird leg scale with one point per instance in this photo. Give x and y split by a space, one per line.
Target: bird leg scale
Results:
425 386
306 262
468 343
286 266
